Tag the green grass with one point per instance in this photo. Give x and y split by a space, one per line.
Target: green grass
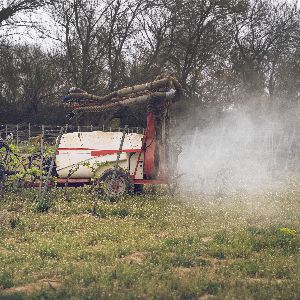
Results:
150 247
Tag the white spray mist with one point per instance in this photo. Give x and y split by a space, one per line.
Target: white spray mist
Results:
239 153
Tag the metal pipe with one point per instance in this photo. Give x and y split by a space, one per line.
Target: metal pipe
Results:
126 102
169 82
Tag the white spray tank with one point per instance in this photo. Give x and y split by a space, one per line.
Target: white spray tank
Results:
89 154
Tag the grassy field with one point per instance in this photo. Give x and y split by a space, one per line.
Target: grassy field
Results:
151 247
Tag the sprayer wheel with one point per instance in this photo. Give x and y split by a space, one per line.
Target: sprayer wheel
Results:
115 184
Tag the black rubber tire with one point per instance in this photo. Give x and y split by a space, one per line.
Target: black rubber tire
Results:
115 184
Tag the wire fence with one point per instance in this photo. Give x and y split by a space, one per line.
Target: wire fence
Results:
17 133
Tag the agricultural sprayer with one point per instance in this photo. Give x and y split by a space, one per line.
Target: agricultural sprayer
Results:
119 162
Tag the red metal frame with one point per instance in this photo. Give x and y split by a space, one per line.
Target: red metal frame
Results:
150 143
89 181
74 180
150 181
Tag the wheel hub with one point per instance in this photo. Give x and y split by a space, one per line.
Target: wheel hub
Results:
115 186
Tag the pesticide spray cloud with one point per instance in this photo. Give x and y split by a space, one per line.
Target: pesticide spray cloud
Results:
240 153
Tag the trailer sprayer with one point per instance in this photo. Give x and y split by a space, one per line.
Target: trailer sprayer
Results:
120 162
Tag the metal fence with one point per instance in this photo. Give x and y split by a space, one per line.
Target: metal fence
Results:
17 133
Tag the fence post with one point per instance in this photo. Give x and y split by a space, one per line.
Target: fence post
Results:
42 160
29 132
6 130
17 135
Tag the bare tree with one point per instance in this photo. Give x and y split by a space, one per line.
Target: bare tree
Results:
262 35
220 51
30 82
95 37
187 39
9 9
83 39
155 43
121 28
17 13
